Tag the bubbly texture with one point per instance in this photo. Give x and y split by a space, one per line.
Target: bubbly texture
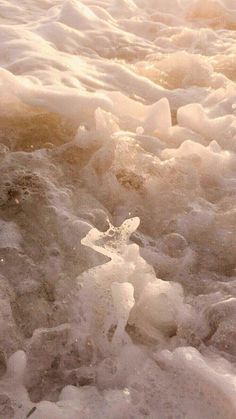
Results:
118 209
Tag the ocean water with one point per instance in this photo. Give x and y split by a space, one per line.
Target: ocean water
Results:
118 209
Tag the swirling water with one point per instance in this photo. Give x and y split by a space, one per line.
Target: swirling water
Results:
118 209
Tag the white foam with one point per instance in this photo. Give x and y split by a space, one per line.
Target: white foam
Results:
117 209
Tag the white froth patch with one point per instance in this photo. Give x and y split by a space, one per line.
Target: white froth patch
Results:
117 209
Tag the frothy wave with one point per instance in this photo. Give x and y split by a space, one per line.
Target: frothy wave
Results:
117 209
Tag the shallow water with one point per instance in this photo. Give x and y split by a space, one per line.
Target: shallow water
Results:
117 209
